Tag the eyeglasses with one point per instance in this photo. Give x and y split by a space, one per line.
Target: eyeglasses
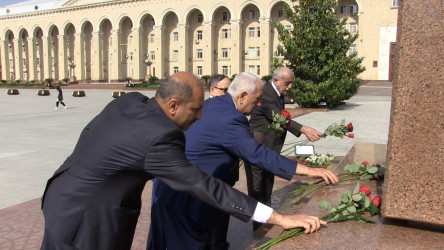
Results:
223 89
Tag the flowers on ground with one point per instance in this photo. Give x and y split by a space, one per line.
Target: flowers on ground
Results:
352 206
355 172
317 160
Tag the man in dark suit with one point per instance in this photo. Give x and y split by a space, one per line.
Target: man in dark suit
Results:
93 200
215 144
259 181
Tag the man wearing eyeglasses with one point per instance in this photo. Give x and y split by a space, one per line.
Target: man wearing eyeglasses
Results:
215 143
218 85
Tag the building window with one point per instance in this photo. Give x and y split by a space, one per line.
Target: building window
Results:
131 40
343 9
280 13
353 28
25 75
152 38
10 49
258 70
199 35
175 70
175 21
352 49
199 18
37 61
224 52
288 27
176 36
224 17
251 52
225 34
199 53
52 61
251 14
251 69
395 3
37 47
152 22
258 51
251 32
199 70
24 62
153 55
353 9
225 70
175 54
131 56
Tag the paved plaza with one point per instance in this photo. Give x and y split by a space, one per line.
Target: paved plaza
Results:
36 139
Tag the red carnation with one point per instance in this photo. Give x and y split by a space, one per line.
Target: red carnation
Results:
377 165
369 197
365 163
351 135
350 127
365 190
377 201
286 114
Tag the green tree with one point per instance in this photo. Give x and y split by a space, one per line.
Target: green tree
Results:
316 49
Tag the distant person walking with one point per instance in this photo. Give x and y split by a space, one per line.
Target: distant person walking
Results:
60 98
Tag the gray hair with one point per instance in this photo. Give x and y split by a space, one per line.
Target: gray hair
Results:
280 71
244 81
214 79
175 87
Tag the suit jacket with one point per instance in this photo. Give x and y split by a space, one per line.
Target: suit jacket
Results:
215 144
93 200
261 117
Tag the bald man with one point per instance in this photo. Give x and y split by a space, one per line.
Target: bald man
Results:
93 200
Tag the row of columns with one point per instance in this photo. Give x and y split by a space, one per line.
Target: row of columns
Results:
86 59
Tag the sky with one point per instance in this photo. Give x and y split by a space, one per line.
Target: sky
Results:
3 3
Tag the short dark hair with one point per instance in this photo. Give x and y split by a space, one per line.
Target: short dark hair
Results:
175 88
214 79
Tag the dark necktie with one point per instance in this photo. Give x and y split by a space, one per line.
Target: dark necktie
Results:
282 100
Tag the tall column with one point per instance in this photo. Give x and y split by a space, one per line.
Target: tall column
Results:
62 61
95 56
45 60
33 55
18 64
134 66
160 52
79 60
209 55
5 62
266 57
236 48
113 67
183 50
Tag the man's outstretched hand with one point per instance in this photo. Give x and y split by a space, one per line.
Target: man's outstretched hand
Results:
327 175
310 223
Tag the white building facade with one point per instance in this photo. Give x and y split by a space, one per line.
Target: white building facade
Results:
110 40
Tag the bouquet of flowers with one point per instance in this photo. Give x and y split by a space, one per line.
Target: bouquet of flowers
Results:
352 206
355 172
280 121
317 160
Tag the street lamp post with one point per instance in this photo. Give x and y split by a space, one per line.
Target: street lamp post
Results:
148 63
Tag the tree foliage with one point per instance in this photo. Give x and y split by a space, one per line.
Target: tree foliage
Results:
316 49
